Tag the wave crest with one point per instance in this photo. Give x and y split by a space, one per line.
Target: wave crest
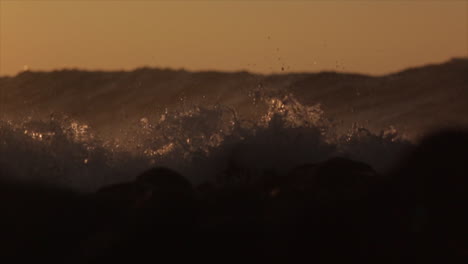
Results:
203 142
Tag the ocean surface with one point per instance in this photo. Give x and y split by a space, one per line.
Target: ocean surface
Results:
86 129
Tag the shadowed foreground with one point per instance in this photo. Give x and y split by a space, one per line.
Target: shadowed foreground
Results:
334 211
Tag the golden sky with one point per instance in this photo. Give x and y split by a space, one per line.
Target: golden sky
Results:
374 37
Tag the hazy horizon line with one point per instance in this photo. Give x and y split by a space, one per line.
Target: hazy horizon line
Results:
280 72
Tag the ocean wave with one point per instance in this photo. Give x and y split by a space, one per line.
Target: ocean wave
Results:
202 142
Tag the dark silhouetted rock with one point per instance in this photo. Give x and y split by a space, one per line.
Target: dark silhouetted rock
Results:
431 193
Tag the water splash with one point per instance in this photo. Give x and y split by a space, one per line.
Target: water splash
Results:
202 142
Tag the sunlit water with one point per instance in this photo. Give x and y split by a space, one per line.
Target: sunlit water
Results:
202 142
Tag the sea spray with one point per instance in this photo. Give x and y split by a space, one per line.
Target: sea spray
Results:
202 142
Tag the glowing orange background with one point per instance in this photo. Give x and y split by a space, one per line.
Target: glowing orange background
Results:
259 36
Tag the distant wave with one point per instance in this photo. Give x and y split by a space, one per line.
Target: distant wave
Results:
87 129
414 101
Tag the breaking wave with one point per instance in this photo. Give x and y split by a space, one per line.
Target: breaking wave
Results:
202 142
